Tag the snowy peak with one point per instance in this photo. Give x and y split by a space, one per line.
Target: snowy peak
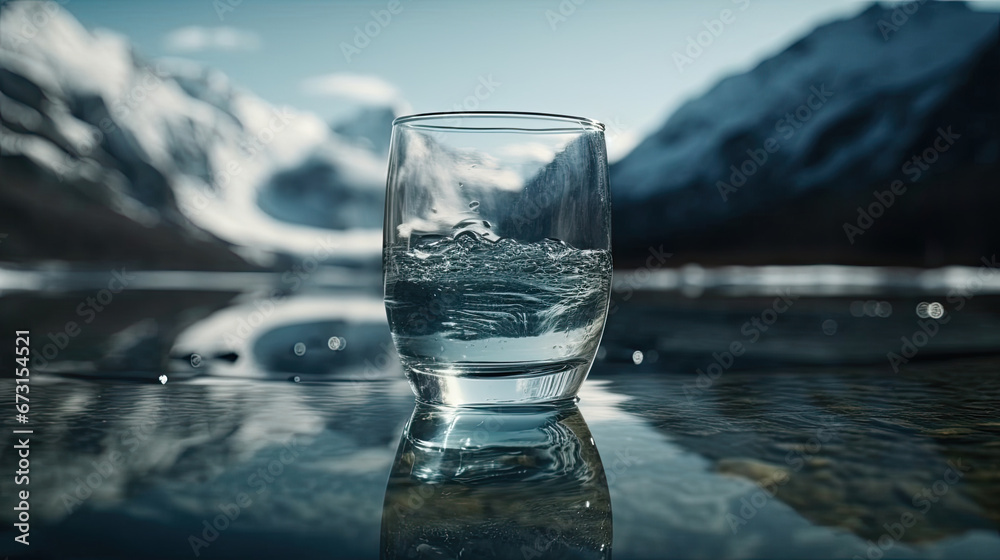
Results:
930 52
166 141
835 113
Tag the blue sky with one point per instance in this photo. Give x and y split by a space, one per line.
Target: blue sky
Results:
611 60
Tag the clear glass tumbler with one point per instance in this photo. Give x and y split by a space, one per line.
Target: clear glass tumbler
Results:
497 254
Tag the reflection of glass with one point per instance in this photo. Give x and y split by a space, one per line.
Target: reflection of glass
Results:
497 254
478 483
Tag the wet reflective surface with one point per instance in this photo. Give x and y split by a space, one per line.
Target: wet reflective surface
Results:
262 469
497 483
806 445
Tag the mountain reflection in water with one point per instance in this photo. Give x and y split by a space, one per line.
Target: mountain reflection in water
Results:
124 466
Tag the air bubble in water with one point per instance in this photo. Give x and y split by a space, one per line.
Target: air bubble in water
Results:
299 349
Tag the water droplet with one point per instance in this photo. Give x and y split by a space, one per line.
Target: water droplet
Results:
922 310
195 360
829 327
296 379
857 308
434 210
883 309
163 380
637 357
299 349
870 307
336 343
474 205
473 166
935 310
460 185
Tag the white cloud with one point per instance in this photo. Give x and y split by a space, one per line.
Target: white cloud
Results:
195 38
368 90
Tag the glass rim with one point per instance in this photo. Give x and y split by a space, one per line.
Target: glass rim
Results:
416 121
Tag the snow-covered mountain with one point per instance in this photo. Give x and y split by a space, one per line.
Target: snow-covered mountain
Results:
771 164
109 156
166 145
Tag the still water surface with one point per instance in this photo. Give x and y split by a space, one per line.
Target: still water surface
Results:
807 444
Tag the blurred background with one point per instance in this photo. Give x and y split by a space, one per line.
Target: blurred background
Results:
209 136
193 190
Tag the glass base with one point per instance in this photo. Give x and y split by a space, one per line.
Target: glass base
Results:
489 384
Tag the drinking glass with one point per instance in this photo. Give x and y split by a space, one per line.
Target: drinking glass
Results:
497 254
